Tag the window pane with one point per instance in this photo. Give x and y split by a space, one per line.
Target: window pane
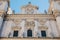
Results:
29 33
15 34
43 33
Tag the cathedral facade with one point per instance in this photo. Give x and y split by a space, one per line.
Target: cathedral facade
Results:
30 23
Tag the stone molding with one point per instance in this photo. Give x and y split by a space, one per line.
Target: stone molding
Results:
29 16
16 28
43 28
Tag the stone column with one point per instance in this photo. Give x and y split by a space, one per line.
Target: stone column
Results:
22 27
7 28
1 25
48 31
1 21
54 28
35 29
58 23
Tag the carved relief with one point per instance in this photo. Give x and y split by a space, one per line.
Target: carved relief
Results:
17 22
16 28
42 27
42 22
31 23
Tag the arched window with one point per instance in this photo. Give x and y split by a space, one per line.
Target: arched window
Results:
29 33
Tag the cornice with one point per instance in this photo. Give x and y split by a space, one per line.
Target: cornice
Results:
30 16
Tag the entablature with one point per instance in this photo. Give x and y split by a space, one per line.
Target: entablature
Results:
30 16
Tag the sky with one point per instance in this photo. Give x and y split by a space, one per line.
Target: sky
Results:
42 4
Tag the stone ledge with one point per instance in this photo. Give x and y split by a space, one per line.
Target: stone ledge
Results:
47 38
29 38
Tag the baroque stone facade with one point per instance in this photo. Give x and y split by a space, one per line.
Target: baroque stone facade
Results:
29 23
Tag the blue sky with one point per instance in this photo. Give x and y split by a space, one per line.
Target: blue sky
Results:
16 4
